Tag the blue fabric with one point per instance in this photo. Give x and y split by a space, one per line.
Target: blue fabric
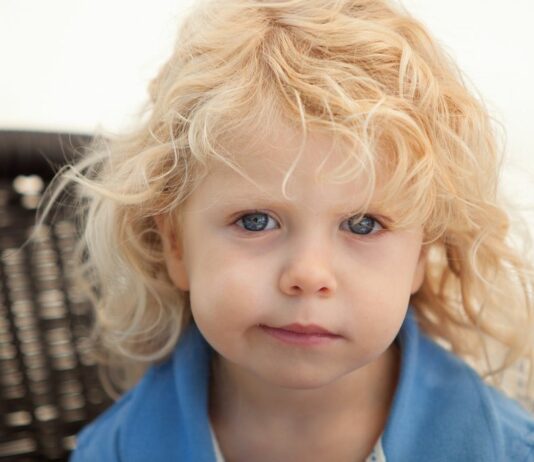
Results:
441 411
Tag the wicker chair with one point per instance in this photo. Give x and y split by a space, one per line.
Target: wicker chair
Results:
48 383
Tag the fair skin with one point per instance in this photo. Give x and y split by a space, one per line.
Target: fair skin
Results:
306 262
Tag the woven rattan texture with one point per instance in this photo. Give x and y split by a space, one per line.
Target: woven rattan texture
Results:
48 382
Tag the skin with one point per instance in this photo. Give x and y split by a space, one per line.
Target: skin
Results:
326 402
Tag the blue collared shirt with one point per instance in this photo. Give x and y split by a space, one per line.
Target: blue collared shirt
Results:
441 412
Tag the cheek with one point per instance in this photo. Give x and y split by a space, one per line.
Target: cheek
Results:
228 298
375 325
390 269
383 282
380 295
227 289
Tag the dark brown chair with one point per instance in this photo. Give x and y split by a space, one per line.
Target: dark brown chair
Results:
48 382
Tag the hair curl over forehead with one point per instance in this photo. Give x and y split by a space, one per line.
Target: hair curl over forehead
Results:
364 72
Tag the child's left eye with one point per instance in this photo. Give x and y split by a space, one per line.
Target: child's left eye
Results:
363 225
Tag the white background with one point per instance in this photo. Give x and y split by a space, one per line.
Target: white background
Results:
81 64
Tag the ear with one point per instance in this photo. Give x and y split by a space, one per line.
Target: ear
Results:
173 253
419 273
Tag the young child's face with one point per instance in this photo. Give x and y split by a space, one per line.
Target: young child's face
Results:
291 261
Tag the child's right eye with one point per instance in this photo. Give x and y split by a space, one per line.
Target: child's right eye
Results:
256 221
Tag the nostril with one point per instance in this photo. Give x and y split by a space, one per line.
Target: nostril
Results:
324 291
298 290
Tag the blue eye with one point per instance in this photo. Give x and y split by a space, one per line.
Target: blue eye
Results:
259 221
363 225
256 221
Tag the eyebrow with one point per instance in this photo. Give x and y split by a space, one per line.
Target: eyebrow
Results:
270 201
249 196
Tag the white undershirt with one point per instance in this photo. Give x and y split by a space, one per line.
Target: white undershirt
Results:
376 456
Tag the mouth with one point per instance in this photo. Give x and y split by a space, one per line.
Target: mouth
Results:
298 334
309 329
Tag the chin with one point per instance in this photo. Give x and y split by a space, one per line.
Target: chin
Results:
301 380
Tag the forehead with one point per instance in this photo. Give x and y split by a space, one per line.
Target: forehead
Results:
287 164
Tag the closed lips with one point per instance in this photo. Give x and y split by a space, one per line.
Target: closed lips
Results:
304 329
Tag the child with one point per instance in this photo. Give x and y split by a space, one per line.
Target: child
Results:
302 240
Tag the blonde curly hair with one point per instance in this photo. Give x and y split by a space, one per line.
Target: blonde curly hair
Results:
363 71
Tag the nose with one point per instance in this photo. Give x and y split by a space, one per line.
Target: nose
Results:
308 272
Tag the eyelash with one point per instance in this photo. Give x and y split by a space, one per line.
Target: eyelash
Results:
258 212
